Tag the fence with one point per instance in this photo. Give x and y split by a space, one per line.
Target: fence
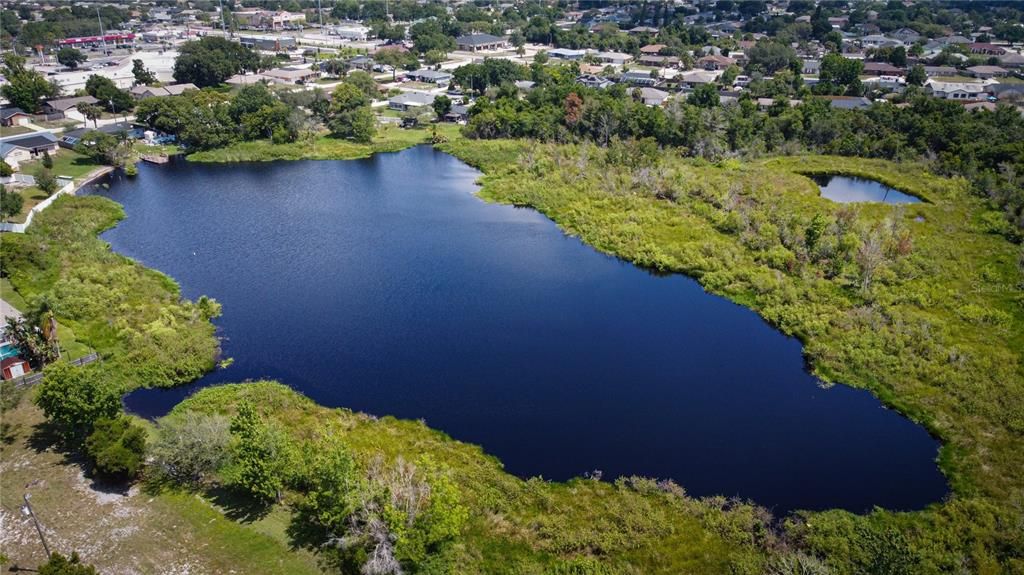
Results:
34 378
25 179
68 188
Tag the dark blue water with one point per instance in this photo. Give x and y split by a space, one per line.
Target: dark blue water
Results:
385 285
845 190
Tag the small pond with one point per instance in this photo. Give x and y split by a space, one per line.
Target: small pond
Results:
385 285
845 190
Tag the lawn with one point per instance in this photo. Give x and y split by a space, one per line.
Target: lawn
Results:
14 131
65 163
31 196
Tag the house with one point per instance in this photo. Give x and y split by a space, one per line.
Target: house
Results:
811 67
593 81
986 49
986 72
458 113
715 62
614 58
906 35
642 30
693 78
525 85
652 49
932 71
10 117
292 75
653 96
1012 60
957 90
435 77
410 101
71 138
360 63
879 41
567 54
848 102
14 367
881 69
478 42
60 106
659 61
141 92
764 104
27 147
638 78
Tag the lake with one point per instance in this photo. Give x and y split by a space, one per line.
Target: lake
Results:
844 190
385 285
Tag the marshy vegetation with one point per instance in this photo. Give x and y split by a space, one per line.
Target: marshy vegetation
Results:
922 304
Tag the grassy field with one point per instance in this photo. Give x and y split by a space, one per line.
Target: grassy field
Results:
65 163
388 139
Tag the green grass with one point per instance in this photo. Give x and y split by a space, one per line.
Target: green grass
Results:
230 546
388 139
65 163
31 196
14 131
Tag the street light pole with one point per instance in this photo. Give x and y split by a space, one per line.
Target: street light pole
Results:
27 509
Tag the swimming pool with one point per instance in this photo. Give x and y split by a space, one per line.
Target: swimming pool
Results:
8 350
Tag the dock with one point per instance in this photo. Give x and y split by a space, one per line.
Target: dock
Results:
156 158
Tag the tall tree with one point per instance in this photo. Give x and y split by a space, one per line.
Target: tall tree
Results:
143 77
73 398
110 96
25 88
211 60
350 115
71 57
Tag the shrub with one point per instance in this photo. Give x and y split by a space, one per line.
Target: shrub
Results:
46 181
61 565
73 398
117 448
192 445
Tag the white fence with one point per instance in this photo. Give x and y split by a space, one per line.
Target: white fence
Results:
26 179
67 188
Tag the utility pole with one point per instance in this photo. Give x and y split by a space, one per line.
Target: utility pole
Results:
223 27
103 36
320 11
27 510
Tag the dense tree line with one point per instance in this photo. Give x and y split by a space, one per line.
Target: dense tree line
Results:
986 147
207 119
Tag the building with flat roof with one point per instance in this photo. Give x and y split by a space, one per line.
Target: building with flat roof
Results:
477 42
